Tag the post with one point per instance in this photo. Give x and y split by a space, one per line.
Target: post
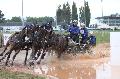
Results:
102 7
56 18
22 15
84 12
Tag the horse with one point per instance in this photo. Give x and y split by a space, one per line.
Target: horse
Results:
9 41
40 41
31 33
58 43
21 45
16 44
27 43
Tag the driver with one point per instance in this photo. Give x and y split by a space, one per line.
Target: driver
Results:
74 32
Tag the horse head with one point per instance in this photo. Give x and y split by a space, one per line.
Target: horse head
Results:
48 27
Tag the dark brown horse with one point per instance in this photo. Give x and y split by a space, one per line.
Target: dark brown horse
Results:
40 40
16 43
58 43
11 39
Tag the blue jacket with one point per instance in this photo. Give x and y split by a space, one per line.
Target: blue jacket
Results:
74 30
92 39
85 34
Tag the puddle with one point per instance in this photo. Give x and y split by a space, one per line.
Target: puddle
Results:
72 67
76 69
103 71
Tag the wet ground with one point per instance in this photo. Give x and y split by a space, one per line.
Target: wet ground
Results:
85 66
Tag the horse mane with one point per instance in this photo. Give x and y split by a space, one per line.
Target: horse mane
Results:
14 34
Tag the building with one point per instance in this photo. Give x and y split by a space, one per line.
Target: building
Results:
57 28
17 26
11 27
111 21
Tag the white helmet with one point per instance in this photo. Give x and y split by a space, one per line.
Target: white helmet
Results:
75 21
91 32
82 24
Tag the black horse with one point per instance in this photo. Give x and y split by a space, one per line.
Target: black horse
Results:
41 37
17 42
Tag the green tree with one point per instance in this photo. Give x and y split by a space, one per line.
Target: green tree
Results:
39 19
15 19
74 12
64 13
82 15
85 14
68 13
2 19
31 19
59 14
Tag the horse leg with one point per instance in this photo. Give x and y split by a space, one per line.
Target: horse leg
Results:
17 51
32 56
9 53
5 55
42 57
59 55
6 63
4 49
38 54
26 57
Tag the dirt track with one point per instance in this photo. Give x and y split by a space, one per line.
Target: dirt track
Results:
67 67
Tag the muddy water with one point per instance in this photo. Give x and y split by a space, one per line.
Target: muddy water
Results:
71 72
72 67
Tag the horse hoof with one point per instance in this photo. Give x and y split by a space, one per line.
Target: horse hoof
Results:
31 63
1 54
35 58
11 64
24 64
38 62
6 64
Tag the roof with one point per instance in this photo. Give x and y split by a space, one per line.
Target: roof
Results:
11 24
112 16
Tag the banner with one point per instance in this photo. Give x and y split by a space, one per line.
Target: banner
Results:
115 48
6 37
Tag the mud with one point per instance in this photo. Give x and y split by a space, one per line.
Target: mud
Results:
67 67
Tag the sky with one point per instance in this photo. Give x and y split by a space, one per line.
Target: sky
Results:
38 8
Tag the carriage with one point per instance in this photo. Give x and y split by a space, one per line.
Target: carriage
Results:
81 48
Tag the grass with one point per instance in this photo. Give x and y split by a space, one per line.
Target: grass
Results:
17 75
102 36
